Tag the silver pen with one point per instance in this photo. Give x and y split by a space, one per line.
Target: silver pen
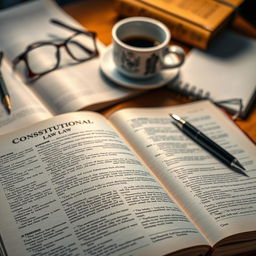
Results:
6 96
209 145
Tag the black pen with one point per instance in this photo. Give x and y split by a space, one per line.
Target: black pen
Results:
6 96
208 144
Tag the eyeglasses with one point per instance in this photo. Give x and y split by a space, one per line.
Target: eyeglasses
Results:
43 57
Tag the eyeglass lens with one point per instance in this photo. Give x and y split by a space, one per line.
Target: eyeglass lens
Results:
81 47
43 58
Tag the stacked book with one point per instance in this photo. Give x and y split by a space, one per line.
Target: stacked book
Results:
191 22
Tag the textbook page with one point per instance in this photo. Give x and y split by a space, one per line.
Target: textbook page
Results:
26 108
72 87
215 197
70 184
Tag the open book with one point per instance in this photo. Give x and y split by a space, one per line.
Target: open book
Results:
70 88
132 184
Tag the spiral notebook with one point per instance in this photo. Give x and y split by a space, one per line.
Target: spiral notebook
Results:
225 73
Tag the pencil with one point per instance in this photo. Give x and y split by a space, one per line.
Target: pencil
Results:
6 96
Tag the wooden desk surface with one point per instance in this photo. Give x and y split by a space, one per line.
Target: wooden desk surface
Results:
99 16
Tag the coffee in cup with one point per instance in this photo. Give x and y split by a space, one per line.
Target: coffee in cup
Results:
141 47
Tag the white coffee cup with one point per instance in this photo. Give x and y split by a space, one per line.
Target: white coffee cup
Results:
141 47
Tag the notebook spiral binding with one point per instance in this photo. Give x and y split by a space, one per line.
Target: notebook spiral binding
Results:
194 93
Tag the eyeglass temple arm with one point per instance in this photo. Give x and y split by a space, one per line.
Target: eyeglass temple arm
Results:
57 22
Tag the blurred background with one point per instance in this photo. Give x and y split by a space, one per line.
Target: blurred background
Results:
9 3
247 9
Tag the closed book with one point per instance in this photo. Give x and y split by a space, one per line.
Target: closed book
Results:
191 22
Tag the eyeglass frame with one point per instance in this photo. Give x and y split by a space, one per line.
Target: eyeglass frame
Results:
58 44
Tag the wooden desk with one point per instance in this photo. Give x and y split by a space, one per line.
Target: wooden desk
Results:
99 16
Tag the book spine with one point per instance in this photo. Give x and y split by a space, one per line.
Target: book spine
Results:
181 30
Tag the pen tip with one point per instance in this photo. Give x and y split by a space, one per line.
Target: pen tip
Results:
238 167
236 163
8 103
243 173
9 111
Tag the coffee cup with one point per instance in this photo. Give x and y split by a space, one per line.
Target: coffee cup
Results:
141 47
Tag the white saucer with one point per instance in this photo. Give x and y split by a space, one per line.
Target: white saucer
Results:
109 69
